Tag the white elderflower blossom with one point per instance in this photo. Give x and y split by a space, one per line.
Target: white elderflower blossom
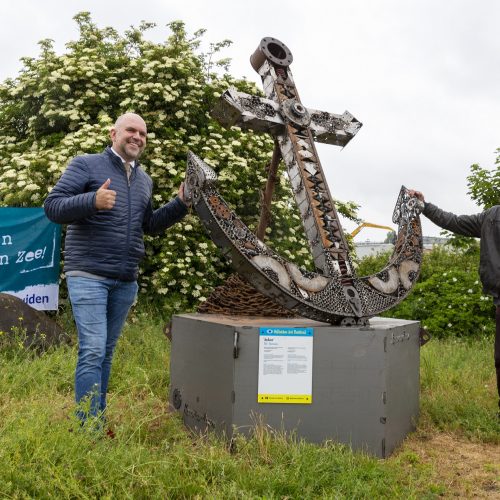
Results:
23 162
9 174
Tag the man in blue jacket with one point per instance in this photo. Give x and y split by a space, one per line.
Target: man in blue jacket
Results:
106 200
485 225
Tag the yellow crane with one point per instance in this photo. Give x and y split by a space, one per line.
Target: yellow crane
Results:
370 224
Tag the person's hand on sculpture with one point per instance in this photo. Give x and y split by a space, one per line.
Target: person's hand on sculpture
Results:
417 194
180 193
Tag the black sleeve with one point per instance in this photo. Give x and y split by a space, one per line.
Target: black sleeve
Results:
466 225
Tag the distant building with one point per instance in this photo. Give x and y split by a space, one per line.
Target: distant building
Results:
433 240
369 248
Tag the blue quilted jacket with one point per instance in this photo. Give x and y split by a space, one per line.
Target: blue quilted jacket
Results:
107 242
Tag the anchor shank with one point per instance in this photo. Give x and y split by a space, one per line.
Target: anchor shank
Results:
319 216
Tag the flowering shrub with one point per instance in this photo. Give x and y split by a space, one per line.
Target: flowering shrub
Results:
60 106
448 297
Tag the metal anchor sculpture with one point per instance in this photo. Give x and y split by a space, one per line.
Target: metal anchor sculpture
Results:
333 293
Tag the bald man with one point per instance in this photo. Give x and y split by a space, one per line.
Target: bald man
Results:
106 200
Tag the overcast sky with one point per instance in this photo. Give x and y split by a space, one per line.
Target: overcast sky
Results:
423 76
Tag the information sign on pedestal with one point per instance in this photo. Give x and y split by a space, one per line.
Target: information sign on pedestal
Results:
285 365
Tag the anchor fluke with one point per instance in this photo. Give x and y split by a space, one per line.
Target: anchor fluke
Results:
313 295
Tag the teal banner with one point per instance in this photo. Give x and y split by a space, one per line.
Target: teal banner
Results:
29 256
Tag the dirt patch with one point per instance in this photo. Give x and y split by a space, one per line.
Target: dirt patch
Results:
465 468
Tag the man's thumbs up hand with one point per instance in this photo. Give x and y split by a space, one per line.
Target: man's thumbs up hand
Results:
105 198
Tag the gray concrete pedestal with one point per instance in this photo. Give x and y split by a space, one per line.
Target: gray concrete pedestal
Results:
365 381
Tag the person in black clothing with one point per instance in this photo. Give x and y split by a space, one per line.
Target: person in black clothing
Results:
486 226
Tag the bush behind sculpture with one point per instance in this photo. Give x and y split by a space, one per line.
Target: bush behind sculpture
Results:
448 297
60 106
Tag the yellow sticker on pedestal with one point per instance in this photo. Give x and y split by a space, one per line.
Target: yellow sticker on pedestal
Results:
285 398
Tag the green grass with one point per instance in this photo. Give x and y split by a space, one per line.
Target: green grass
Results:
43 455
459 388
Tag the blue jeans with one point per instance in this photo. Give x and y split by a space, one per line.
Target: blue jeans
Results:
100 308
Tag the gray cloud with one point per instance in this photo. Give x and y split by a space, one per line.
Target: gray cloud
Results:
423 77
